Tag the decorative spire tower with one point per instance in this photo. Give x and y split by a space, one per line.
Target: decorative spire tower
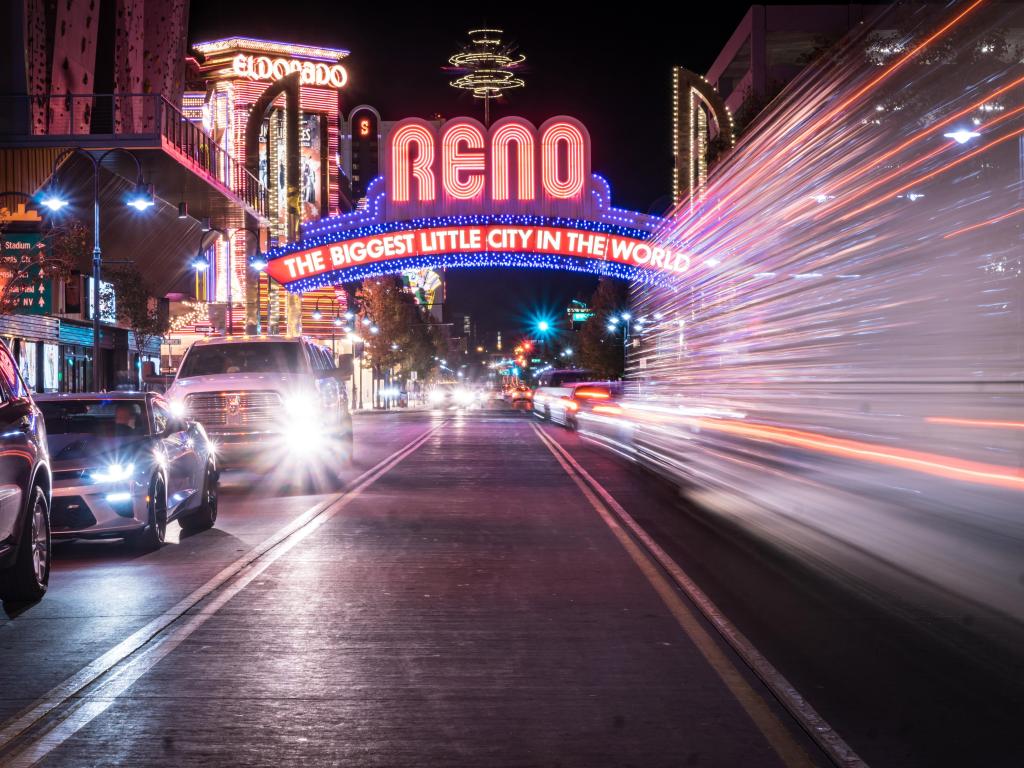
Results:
487 67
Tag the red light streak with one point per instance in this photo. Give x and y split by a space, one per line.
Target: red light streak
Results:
928 463
975 422
979 225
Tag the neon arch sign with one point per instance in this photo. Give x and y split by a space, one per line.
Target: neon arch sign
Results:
464 195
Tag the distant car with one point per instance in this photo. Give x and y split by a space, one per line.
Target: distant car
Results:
124 467
267 398
566 403
521 397
24 490
453 396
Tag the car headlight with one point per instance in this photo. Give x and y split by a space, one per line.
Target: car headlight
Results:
113 473
178 409
437 396
300 407
463 396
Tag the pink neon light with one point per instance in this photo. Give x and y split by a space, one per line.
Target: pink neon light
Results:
403 167
462 161
501 140
562 183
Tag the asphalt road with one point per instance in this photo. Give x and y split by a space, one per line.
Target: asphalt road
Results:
471 599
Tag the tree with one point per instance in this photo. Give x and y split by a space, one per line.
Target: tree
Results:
601 350
137 307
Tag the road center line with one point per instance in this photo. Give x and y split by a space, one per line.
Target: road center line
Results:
648 559
239 574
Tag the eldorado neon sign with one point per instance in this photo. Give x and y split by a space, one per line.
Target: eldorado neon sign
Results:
268 68
467 195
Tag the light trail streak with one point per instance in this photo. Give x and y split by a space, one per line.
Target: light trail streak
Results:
932 174
930 463
980 224
975 422
855 278
835 111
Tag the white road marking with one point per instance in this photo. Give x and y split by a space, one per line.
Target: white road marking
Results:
813 724
148 652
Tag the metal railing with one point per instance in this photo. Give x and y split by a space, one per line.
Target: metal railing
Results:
81 118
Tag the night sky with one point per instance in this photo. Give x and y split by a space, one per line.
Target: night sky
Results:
612 70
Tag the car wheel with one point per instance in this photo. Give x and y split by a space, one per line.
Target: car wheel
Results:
206 516
27 579
570 423
152 536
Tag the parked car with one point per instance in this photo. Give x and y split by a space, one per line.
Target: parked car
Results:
267 397
124 467
24 490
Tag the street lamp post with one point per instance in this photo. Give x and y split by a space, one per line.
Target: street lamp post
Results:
141 199
258 262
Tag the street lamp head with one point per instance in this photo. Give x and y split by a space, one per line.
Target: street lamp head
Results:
611 326
142 197
543 326
374 330
337 321
200 264
258 262
367 321
613 321
53 201
317 314
961 135
626 316
349 316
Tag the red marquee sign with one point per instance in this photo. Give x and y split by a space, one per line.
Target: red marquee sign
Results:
464 195
467 168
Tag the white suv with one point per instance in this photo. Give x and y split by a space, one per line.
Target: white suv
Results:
267 399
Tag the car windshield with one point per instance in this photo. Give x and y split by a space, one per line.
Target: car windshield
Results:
258 357
102 418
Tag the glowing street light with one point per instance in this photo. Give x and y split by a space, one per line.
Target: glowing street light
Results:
961 135
53 201
141 199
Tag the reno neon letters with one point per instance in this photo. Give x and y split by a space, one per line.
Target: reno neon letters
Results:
462 166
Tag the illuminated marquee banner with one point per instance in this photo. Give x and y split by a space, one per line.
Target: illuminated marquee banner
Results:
496 239
462 194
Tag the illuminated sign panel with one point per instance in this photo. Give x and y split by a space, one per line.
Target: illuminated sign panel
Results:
274 68
463 195
541 170
433 241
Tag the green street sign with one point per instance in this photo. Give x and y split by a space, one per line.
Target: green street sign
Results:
30 293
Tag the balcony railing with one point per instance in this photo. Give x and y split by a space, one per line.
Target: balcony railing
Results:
128 118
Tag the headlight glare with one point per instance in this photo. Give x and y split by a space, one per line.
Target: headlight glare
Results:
113 473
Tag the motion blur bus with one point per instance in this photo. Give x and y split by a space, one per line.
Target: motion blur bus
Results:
841 370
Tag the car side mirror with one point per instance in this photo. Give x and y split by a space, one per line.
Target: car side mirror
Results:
345 365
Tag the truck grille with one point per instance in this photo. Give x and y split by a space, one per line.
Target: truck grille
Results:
249 410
